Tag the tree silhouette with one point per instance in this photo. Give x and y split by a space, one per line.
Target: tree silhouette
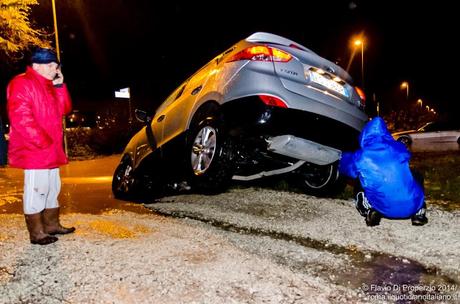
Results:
16 31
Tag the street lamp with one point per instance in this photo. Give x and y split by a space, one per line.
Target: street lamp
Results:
58 54
360 42
56 35
420 102
405 85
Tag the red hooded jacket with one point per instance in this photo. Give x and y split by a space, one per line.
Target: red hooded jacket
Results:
35 109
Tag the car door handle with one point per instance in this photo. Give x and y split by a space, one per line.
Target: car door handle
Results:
160 119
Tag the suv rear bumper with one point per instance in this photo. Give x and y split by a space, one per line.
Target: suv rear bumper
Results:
250 119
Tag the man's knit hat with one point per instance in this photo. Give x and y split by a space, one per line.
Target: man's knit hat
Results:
43 55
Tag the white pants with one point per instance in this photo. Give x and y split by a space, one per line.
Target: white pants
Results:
41 190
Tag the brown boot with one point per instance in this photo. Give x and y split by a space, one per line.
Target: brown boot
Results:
52 224
35 226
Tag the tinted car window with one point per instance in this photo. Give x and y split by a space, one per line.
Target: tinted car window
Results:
441 126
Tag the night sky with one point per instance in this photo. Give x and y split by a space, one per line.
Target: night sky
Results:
152 48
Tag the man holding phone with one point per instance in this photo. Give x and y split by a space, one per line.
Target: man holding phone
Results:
37 101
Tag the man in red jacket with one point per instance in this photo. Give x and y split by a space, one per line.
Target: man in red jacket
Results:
37 102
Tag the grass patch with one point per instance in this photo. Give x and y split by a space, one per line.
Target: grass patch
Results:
441 172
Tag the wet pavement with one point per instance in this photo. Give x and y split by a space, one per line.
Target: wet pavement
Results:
86 188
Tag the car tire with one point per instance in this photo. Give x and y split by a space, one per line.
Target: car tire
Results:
321 180
209 154
124 182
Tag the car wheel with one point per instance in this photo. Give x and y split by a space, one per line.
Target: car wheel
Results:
124 182
209 155
321 180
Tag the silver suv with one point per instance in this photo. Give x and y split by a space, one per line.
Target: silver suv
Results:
266 106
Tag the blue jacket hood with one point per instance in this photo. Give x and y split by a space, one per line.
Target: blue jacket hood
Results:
374 132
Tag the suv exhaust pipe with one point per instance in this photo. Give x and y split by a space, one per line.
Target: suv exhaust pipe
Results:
303 149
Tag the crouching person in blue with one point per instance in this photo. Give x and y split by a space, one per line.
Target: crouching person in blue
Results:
386 186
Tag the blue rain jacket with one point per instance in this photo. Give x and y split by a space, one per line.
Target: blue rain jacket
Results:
382 166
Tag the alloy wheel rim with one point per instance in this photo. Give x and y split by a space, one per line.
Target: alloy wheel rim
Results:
126 179
203 150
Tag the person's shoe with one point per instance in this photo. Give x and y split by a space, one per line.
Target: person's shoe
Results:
420 219
36 232
44 241
373 218
52 225
62 230
362 204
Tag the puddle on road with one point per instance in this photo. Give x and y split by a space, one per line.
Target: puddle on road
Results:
374 274
385 277
378 273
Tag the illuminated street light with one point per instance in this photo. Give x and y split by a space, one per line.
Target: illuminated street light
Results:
360 42
405 85
420 102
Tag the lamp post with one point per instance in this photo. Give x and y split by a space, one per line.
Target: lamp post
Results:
420 102
405 85
360 42
58 54
56 35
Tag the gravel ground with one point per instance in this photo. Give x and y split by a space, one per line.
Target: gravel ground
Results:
327 222
125 257
243 246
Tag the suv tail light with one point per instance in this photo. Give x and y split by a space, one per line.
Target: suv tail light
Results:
262 53
362 96
273 101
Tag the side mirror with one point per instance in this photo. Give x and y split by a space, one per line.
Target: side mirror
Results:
142 116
